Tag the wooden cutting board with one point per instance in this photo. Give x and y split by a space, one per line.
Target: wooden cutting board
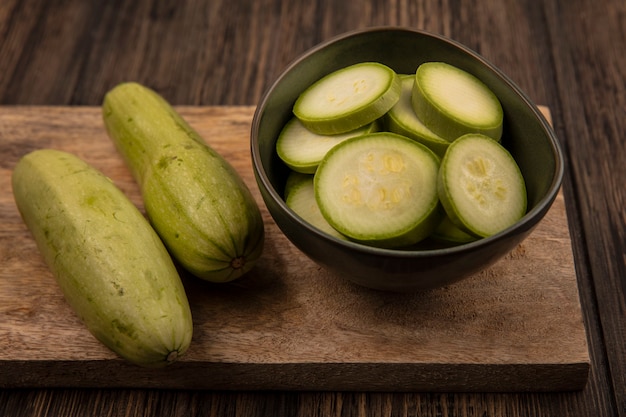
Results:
290 324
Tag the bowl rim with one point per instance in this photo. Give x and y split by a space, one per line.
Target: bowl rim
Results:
526 223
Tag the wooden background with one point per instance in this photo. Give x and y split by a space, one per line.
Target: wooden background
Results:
566 54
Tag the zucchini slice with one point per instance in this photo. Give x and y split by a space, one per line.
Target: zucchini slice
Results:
401 119
300 197
452 102
380 189
480 186
348 98
303 150
448 232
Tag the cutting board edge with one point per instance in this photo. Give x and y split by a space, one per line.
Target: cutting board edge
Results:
404 377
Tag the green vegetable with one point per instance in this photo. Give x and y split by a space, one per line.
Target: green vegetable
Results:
401 119
481 186
110 264
388 189
303 150
380 189
195 200
348 98
452 102
448 232
300 197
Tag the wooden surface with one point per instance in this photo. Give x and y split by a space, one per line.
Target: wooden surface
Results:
566 54
289 324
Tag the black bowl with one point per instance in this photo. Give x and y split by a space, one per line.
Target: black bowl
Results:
527 135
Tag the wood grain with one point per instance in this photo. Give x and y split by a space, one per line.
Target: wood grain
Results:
563 53
595 128
289 324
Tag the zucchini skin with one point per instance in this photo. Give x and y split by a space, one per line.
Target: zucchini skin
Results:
111 266
195 200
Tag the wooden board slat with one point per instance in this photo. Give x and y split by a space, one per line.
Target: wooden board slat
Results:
290 324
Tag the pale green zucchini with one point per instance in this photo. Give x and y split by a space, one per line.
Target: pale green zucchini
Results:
481 186
300 197
401 119
380 189
196 201
448 232
110 264
303 150
452 102
348 98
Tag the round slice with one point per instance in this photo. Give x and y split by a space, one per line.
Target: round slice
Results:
401 119
448 232
380 189
303 150
348 98
480 186
452 102
300 197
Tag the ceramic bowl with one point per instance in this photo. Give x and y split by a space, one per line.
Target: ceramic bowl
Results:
527 135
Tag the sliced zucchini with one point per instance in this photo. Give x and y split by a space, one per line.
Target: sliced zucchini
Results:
300 197
401 119
348 98
303 150
480 186
453 102
448 232
380 189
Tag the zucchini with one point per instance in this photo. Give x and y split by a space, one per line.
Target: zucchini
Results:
195 200
300 197
481 186
111 266
407 180
348 98
380 189
448 232
452 102
401 119
303 150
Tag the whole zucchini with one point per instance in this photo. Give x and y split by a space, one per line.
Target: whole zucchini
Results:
111 266
195 200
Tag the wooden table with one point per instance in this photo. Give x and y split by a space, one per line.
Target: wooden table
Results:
566 55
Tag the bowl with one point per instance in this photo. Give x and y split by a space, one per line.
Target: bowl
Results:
527 135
